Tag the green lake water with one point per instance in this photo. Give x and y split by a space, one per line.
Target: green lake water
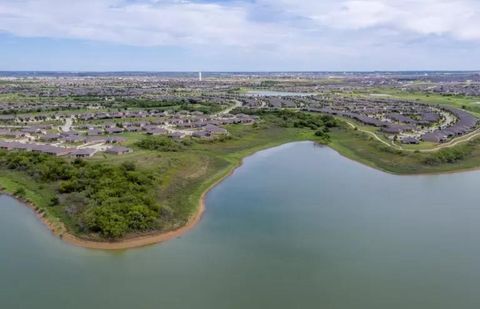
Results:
297 226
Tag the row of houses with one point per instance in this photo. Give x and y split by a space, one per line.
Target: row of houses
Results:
47 149
270 102
398 116
11 134
78 139
465 124
60 151
10 109
210 131
177 118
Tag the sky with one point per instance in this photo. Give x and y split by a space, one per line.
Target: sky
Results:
239 35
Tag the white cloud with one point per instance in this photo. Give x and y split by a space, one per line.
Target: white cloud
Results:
459 19
171 22
278 32
138 23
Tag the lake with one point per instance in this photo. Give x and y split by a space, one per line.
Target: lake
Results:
297 226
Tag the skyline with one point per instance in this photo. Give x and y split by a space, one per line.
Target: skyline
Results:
239 36
195 73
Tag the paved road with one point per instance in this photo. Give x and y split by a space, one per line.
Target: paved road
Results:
231 108
454 142
375 136
68 124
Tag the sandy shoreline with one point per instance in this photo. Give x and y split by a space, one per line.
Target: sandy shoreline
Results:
128 243
140 241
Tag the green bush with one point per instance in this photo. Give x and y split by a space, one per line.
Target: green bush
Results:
448 155
20 192
160 143
115 199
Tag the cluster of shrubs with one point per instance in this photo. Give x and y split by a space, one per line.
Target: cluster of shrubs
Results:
162 143
321 124
116 199
293 119
448 155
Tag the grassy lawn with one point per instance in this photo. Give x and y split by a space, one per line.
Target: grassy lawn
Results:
37 194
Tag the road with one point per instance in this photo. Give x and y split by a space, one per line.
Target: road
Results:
456 141
229 109
374 136
68 124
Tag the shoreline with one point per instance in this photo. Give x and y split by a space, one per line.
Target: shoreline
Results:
378 168
153 238
128 243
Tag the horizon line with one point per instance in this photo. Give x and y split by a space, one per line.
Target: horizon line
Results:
233 71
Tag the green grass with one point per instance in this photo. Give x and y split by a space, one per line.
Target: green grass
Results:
36 194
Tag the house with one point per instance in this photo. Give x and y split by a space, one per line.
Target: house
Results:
115 140
434 137
132 129
201 134
51 150
114 130
33 130
157 121
6 145
13 134
118 150
84 152
74 139
96 139
175 121
213 129
49 137
410 140
156 131
94 132
7 118
176 135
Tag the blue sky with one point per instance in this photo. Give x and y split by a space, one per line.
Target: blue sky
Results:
243 35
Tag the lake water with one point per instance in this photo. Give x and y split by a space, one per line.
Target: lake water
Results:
297 226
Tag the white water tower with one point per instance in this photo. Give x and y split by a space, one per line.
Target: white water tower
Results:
199 76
